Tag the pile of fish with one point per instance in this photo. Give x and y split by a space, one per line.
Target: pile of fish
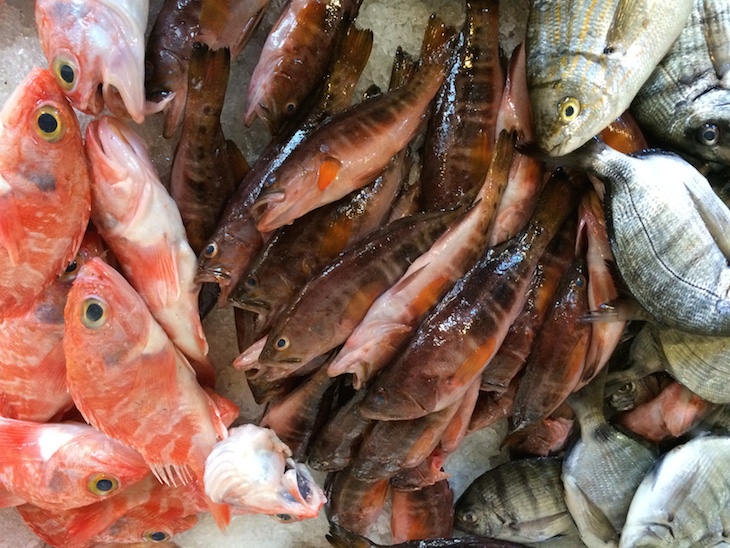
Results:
485 240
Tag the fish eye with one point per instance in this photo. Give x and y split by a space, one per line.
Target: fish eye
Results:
156 536
568 109
469 517
283 518
94 313
64 70
709 135
48 124
102 484
580 281
270 180
211 250
251 281
291 106
71 270
282 343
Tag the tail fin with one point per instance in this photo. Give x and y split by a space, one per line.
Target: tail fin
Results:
437 41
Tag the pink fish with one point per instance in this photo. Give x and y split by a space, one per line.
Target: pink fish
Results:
66 465
252 470
32 363
114 347
44 190
142 225
95 50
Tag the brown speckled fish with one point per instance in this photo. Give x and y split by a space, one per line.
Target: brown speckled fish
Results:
294 58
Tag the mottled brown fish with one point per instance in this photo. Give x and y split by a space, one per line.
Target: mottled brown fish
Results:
422 513
167 57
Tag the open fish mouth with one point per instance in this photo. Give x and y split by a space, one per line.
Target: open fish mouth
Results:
217 275
301 493
266 202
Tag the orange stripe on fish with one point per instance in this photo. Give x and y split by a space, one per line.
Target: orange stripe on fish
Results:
430 294
473 364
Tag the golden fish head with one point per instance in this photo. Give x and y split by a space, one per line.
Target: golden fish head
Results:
567 115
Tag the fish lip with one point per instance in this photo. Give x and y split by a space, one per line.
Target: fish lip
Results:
250 304
213 275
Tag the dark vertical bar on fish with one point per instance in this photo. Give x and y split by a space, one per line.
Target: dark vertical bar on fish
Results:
423 513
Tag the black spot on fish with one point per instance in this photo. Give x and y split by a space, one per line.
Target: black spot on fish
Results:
48 314
44 182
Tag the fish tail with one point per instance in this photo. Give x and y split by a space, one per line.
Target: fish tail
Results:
437 40
355 47
221 513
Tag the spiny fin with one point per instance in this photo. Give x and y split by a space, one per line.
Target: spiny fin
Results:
714 213
171 474
328 170
11 229
404 66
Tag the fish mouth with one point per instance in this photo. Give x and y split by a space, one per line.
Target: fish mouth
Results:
300 493
213 275
266 203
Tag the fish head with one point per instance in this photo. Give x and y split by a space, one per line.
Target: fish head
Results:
95 51
42 131
295 342
274 99
264 295
473 514
567 114
166 82
252 470
702 127
90 467
120 170
102 317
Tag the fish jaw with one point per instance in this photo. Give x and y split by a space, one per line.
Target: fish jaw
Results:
249 471
272 210
116 32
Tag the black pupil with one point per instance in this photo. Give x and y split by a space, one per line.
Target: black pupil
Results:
283 517
281 343
158 536
67 74
290 107
569 111
94 312
251 282
104 485
47 123
709 134
71 267
210 250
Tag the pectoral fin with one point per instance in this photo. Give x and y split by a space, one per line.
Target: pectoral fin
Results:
328 170
594 527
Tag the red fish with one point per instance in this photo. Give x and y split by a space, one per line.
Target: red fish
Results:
44 190
141 223
32 363
95 50
114 346
64 466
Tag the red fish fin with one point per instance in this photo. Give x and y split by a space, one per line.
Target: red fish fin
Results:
328 170
161 270
8 500
221 513
18 434
11 230
474 364
431 294
89 521
172 474
52 370
157 375
226 409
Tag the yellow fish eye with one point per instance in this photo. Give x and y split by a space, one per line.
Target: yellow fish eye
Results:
102 484
155 536
568 109
65 72
49 125
94 313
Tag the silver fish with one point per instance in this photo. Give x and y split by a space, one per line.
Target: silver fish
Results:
602 470
686 101
520 501
684 500
669 234
587 59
